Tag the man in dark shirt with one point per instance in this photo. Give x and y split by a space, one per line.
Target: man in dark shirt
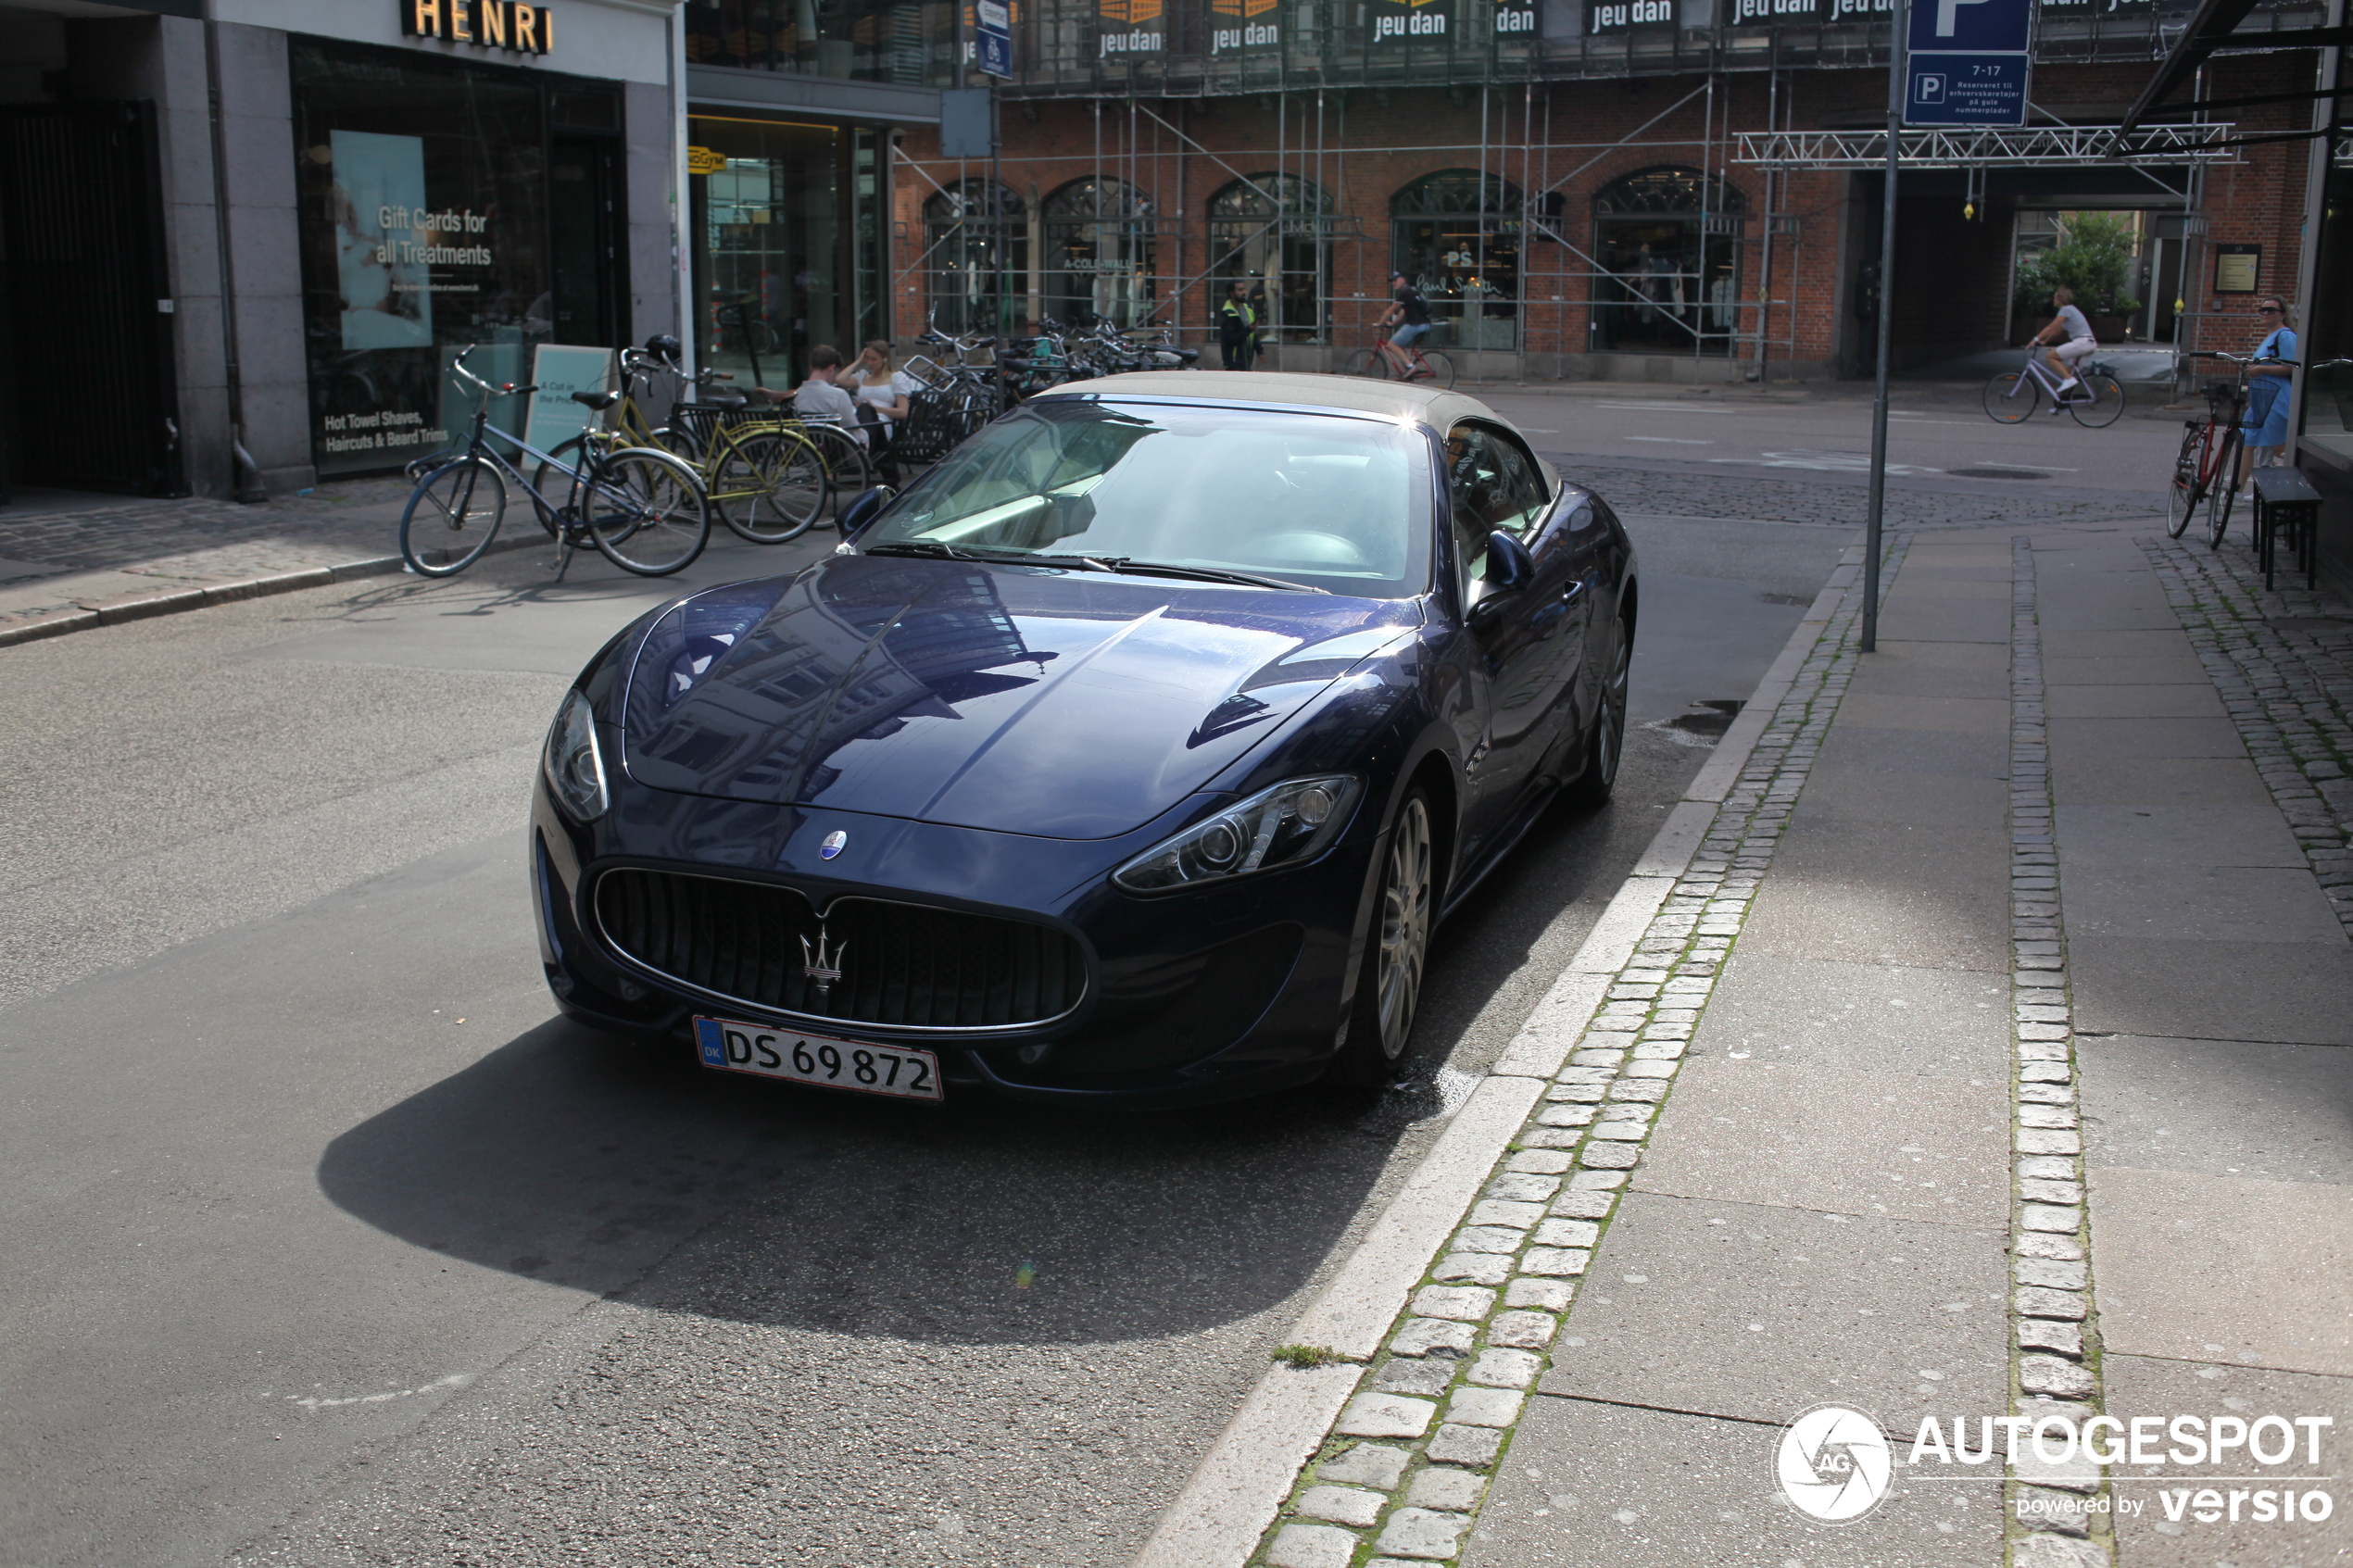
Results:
1411 314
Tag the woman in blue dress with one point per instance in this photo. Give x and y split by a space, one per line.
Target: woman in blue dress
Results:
2264 435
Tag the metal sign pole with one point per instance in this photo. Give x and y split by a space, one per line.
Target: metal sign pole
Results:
1872 524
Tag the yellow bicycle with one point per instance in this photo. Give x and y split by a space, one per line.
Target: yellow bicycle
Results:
767 480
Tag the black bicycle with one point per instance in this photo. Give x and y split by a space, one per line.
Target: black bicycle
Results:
643 509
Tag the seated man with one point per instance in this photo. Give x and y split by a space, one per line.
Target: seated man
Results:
820 396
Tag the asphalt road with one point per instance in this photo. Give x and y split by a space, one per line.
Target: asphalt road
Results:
322 1239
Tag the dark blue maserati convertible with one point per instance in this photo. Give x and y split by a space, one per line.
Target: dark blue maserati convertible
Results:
1131 754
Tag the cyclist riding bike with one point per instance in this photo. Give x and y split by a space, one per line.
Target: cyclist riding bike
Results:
1411 312
2069 341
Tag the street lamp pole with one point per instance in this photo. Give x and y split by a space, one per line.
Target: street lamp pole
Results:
1872 524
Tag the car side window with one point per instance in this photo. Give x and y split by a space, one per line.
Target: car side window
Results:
1492 485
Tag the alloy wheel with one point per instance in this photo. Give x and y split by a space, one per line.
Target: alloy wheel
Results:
1404 927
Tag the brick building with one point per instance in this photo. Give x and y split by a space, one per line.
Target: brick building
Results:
1569 184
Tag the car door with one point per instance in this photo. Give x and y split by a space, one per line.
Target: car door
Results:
1494 484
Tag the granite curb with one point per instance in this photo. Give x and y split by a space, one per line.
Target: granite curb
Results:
115 612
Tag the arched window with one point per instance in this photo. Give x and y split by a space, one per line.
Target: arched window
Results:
1458 236
976 256
1265 230
1099 253
1669 238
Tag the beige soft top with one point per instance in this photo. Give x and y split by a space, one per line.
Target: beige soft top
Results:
1431 406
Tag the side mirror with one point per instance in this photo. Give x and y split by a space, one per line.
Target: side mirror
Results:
865 508
1509 566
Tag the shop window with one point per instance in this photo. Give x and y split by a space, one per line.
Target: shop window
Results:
1268 232
1456 234
1099 253
1669 243
976 257
423 222
896 41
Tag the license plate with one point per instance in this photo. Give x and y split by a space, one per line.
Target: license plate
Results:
813 1059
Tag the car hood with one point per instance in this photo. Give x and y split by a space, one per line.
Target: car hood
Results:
1031 700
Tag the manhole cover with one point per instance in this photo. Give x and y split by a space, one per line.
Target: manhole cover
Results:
1997 473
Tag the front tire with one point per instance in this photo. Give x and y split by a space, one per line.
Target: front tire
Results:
646 511
2105 407
1388 991
2182 495
2225 491
770 487
1605 742
2010 402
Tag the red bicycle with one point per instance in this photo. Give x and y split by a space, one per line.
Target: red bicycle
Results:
2207 465
1377 363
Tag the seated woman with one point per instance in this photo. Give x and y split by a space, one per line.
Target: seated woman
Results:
880 388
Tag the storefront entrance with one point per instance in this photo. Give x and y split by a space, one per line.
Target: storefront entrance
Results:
1669 239
788 249
91 404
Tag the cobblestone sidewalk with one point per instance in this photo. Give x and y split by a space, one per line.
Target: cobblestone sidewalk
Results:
66 568
2284 662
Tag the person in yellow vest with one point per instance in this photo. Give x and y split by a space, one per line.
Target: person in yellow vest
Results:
1237 323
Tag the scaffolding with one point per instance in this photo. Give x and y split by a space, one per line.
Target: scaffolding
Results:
1157 161
1506 263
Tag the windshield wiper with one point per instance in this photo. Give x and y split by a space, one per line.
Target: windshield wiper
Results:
1170 569
937 550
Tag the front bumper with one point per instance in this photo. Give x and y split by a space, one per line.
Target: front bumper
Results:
1191 997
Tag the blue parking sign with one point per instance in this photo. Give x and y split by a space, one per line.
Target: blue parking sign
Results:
1968 63
1969 26
1965 90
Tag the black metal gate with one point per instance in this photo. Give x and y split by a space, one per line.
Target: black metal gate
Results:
89 396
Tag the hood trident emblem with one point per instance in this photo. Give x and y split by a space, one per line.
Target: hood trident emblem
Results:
820 966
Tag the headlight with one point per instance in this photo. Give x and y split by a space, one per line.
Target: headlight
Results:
1281 826
575 770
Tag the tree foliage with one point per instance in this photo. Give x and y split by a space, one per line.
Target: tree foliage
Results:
2094 258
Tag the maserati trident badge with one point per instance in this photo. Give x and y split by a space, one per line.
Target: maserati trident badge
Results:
822 966
832 845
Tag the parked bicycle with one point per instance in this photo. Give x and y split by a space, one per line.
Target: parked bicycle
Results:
641 508
1420 364
2206 470
767 480
2012 397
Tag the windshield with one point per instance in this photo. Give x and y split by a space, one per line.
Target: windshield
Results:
1319 500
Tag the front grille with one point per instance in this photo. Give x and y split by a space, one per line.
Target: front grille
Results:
901 964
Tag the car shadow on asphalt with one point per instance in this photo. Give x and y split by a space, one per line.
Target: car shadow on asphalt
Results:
617 1168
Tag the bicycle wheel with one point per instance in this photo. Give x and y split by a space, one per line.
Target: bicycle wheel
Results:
2103 408
847 468
1369 362
770 487
553 480
1442 368
2185 492
2010 397
646 511
452 516
2222 493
